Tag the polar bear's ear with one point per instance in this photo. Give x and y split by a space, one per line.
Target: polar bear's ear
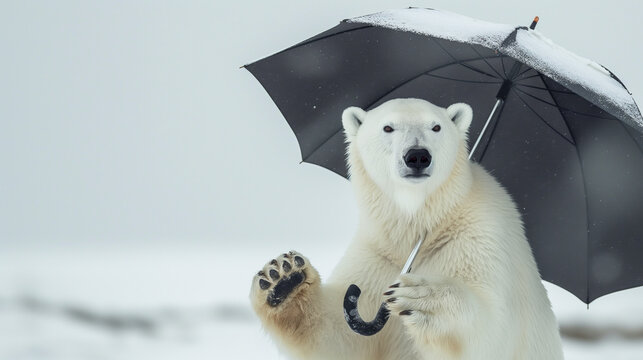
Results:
461 114
352 118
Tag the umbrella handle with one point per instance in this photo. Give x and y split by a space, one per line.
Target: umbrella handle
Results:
355 321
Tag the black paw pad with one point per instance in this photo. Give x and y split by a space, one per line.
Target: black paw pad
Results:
286 266
299 261
273 262
284 288
263 284
274 274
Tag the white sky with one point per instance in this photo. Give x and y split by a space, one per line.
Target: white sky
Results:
130 122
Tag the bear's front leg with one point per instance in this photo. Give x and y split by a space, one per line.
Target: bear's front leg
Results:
437 312
284 294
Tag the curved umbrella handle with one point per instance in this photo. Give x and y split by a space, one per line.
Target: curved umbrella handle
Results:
355 322
351 314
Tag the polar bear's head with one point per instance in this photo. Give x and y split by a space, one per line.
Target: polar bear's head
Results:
407 147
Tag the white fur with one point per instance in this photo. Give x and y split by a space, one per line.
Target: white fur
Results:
474 291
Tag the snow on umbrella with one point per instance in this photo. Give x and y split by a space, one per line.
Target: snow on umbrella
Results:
560 132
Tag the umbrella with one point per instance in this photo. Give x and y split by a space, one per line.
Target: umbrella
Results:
560 132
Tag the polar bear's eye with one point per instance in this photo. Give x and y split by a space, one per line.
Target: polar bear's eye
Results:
436 128
388 129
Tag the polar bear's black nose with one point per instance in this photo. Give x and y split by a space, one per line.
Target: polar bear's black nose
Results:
417 159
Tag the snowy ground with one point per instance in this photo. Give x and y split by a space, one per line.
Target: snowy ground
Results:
191 303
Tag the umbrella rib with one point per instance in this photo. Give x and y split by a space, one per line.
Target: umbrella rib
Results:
584 183
427 72
542 79
477 70
561 113
589 115
493 130
543 120
504 70
467 81
582 172
547 89
485 60
517 77
322 144
457 62
563 108
530 76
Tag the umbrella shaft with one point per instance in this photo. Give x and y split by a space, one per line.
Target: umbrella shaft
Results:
409 262
484 128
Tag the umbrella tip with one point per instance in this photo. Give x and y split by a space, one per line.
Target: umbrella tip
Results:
534 23
242 66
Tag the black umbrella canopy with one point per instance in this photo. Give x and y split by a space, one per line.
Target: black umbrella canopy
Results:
567 142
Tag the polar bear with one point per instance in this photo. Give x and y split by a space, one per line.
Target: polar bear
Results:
474 291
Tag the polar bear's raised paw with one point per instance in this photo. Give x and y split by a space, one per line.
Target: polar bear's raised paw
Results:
281 277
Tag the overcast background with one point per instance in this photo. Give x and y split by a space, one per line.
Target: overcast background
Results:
138 162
